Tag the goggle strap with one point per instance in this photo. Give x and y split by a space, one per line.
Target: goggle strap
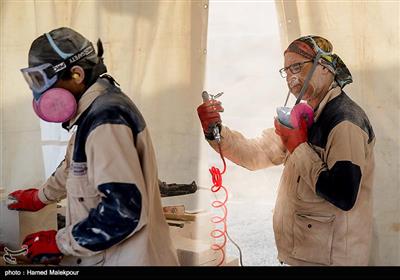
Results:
79 55
51 71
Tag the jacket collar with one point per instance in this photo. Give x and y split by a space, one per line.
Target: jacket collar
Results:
332 93
94 91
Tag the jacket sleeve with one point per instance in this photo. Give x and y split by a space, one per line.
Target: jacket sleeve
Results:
253 154
54 188
115 170
338 179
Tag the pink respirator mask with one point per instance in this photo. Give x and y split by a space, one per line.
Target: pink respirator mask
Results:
56 105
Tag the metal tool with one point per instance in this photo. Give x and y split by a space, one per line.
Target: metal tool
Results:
206 97
176 189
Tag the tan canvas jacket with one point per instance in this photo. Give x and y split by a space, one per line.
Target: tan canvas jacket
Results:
109 177
323 211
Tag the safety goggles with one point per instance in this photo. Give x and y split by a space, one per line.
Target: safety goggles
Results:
40 78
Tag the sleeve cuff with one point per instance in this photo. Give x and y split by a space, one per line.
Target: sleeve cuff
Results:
43 198
62 241
68 245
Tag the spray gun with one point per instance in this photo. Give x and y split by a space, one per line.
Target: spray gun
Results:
291 117
206 97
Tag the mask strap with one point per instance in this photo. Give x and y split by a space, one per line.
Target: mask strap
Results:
309 75
62 54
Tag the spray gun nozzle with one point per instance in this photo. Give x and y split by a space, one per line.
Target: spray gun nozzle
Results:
218 95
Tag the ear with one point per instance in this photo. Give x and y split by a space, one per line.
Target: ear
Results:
325 70
78 74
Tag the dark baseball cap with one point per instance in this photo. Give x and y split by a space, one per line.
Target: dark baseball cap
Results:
57 45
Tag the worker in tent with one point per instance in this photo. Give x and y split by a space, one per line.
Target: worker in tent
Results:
323 211
109 174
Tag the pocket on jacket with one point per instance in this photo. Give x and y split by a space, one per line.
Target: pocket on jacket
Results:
82 196
312 237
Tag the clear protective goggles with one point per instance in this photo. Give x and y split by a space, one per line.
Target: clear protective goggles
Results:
40 78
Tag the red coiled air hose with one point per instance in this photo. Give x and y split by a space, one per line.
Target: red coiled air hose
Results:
217 186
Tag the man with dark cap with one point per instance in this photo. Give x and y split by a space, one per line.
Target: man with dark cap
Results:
323 212
109 174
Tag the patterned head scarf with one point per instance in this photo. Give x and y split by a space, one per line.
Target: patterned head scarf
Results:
308 46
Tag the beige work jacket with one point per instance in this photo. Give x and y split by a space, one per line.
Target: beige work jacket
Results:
109 177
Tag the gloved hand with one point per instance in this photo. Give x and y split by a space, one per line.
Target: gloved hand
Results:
209 116
292 137
25 200
42 247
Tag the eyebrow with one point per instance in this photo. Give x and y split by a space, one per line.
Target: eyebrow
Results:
295 63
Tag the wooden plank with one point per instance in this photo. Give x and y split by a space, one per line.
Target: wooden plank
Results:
200 228
176 210
184 217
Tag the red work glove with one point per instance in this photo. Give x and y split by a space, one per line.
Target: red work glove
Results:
42 247
209 116
292 137
25 200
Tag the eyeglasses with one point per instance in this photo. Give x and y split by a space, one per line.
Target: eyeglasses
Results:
294 68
